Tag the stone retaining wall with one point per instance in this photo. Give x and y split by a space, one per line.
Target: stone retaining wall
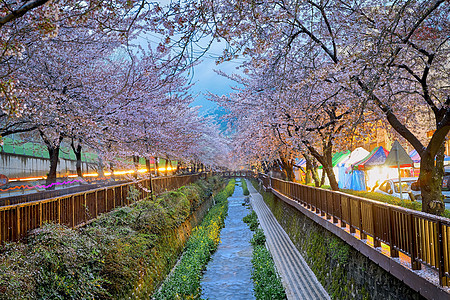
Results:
343 271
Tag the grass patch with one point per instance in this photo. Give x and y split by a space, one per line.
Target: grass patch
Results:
184 283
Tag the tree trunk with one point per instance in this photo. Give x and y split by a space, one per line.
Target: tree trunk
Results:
167 166
322 180
156 167
136 165
289 171
326 161
53 152
315 176
430 178
77 152
312 167
331 177
111 167
148 166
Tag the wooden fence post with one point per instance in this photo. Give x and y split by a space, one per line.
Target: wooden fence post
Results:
106 200
18 231
415 265
40 214
85 209
376 241
96 204
73 211
443 280
363 236
350 203
394 252
59 210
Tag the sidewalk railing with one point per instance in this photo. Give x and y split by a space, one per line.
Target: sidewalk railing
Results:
79 208
425 238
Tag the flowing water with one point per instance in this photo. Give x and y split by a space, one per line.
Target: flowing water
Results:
228 273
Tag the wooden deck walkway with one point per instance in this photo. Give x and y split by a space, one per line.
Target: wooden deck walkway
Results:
298 279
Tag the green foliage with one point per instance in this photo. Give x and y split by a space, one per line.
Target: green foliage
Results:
176 206
245 188
227 192
105 259
17 273
267 283
258 239
184 282
134 194
67 263
339 250
251 220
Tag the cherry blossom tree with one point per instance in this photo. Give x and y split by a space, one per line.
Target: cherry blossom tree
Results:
387 55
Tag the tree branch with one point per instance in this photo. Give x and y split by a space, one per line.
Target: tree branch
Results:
15 14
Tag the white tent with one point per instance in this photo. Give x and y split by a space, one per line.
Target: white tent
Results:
356 155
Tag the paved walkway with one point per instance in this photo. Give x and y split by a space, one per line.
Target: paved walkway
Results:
298 279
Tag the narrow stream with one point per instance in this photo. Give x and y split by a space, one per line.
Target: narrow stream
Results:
228 273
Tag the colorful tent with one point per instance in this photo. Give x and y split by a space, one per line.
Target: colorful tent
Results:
414 156
300 162
357 182
356 155
345 177
375 158
398 157
338 157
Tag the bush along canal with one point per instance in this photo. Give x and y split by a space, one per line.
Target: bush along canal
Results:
124 254
266 280
184 281
228 274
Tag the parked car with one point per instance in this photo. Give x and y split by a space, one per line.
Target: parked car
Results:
410 185
392 187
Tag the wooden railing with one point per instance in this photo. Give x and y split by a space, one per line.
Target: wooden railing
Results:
425 238
79 208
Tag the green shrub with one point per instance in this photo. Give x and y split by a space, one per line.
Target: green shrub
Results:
267 283
134 194
251 220
258 239
17 272
244 187
176 206
67 263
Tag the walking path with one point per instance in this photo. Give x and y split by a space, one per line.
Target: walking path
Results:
298 279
